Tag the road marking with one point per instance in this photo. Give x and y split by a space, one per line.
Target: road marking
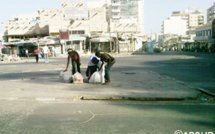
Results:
45 99
13 92
91 118
16 91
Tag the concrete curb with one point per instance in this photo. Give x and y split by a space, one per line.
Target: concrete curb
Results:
206 92
138 98
98 98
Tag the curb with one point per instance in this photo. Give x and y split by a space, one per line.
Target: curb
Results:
206 92
86 98
40 99
137 98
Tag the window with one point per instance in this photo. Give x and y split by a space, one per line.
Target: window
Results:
209 31
78 32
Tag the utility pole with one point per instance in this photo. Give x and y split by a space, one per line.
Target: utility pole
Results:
109 27
117 42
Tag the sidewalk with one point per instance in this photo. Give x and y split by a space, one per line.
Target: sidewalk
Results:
128 82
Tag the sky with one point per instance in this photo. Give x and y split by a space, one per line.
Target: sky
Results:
155 11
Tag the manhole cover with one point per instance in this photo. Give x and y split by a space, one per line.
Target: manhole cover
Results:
129 73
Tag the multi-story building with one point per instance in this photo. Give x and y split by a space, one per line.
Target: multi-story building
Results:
211 13
126 16
204 40
204 32
113 15
180 27
196 19
79 19
94 19
193 16
39 24
53 18
174 25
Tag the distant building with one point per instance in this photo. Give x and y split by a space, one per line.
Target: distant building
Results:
211 13
36 25
205 37
175 25
80 20
180 27
86 19
204 32
126 16
193 16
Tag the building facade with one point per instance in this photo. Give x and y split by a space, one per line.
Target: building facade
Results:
193 16
126 16
205 38
80 19
211 13
180 28
204 33
175 25
43 22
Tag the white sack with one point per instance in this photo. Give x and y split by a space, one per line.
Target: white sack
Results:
98 76
77 78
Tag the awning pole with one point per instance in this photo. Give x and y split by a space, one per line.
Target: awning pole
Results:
90 46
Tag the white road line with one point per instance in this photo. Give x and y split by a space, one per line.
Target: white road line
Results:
45 99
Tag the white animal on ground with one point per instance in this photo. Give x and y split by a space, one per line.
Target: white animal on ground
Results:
98 76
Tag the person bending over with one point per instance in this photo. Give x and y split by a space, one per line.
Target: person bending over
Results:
75 59
105 57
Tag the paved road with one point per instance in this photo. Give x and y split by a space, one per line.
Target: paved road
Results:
132 76
100 117
160 75
195 69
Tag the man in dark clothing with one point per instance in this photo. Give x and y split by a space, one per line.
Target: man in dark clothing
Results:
75 58
105 57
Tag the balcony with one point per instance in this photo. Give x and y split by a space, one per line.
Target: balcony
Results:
115 4
115 17
203 38
115 10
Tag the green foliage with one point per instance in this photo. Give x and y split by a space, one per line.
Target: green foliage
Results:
157 50
72 21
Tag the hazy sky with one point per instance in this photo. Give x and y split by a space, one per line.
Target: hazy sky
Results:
155 10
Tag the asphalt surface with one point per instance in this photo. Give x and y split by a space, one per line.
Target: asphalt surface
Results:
131 78
100 117
195 69
158 75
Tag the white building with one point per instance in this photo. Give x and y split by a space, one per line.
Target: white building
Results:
42 23
53 18
1 37
158 38
195 20
80 19
175 25
126 16
211 13
194 17
88 20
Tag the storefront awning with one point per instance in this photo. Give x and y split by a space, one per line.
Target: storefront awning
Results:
77 38
101 39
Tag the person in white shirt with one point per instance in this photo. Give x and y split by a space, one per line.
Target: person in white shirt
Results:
26 53
45 52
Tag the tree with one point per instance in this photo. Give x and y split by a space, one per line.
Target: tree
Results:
72 21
